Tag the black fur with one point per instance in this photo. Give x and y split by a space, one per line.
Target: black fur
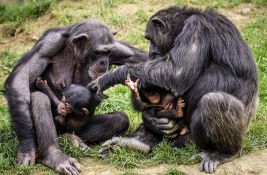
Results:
201 56
75 54
79 97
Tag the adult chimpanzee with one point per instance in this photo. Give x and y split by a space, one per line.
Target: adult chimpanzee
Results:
75 54
201 56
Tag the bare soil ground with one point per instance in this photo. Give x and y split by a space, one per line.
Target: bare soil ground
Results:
254 163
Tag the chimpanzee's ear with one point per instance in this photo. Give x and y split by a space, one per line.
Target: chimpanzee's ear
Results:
158 22
85 111
80 39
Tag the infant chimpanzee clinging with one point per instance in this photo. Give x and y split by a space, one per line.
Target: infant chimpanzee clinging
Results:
75 107
161 100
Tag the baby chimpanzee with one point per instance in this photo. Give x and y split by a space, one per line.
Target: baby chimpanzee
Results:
75 107
153 98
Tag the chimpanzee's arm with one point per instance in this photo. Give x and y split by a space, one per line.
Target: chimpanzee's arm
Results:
137 102
18 85
43 86
176 71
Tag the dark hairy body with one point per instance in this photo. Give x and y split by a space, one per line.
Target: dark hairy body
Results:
201 56
75 108
75 54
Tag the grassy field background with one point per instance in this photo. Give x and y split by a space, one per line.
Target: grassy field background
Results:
21 25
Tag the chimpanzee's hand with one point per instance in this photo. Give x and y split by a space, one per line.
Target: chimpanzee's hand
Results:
163 123
41 84
94 87
62 109
132 85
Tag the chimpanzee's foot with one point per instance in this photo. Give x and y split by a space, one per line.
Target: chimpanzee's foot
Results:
76 141
130 143
62 163
210 160
26 158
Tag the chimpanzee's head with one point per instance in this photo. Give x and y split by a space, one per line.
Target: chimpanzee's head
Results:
163 28
82 102
92 43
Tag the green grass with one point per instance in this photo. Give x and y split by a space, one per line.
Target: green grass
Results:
221 3
14 15
18 13
8 60
132 26
256 35
174 171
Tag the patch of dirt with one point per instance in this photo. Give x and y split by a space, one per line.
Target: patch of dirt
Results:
254 163
26 35
131 9
242 14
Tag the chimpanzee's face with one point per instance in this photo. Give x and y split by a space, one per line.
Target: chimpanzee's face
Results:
98 66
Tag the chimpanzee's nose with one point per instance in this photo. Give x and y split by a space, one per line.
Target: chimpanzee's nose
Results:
103 62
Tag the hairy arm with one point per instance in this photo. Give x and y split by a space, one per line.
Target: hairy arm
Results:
43 86
20 81
137 102
176 71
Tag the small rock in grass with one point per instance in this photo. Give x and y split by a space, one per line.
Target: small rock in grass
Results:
246 11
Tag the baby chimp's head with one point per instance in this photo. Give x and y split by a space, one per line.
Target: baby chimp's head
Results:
81 100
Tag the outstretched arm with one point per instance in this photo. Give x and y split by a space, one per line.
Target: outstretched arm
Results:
136 99
176 71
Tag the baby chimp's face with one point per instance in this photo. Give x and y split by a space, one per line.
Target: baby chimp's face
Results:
78 99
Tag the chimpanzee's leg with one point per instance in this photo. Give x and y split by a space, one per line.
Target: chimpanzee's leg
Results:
46 135
218 126
104 126
143 140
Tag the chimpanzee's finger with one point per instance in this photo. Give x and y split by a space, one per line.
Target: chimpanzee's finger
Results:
172 130
167 126
136 82
162 120
105 150
172 135
112 141
128 77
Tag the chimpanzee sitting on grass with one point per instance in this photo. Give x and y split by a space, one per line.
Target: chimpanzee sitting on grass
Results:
74 110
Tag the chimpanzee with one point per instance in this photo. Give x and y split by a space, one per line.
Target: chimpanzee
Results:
74 54
201 56
73 111
75 107
158 99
